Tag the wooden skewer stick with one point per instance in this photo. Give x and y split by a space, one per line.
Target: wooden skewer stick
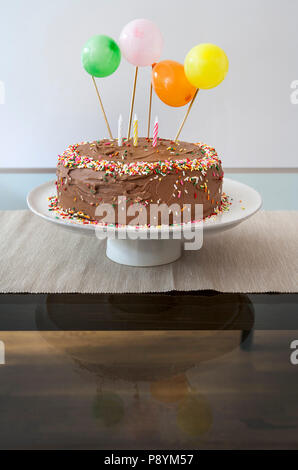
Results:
149 112
132 102
186 115
102 108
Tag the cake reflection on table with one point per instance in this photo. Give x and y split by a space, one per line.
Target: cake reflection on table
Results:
146 375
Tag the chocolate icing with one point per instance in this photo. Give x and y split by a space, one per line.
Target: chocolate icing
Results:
84 189
100 150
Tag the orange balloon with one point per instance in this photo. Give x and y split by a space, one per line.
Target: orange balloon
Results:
170 83
170 390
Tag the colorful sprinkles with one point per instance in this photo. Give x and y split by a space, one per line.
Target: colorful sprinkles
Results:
71 159
84 219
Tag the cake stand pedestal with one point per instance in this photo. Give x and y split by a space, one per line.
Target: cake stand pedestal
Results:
143 252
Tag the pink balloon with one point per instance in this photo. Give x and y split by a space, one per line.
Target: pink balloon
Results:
141 42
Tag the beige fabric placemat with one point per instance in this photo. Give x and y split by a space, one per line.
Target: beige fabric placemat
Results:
260 255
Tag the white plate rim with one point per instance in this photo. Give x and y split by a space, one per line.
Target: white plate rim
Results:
218 222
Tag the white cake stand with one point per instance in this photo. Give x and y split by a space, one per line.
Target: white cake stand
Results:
151 252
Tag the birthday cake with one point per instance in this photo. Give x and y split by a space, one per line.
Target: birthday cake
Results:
93 174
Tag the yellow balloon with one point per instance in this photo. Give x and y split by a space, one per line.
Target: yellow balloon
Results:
206 66
194 415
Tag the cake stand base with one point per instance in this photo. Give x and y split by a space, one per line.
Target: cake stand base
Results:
143 252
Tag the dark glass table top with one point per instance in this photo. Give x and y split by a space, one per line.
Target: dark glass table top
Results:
200 370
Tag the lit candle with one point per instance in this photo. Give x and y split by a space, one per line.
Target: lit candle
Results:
155 132
120 123
135 131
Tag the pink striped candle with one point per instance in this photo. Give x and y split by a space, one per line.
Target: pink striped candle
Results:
155 132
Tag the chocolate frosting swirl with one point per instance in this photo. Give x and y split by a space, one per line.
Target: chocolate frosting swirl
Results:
193 175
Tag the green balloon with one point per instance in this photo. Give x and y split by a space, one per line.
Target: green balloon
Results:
101 56
108 408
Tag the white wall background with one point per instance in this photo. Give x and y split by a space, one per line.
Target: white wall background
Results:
50 101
